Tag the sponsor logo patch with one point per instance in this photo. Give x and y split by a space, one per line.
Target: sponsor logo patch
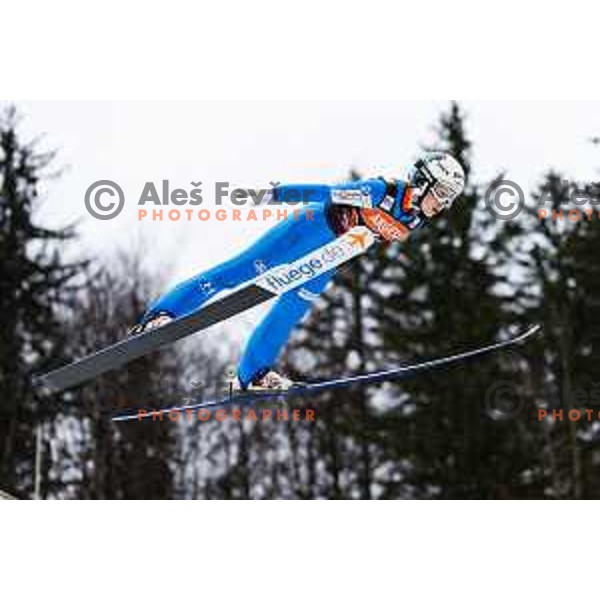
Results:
384 224
289 276
387 203
360 198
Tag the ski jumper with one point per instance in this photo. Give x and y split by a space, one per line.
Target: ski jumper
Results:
383 206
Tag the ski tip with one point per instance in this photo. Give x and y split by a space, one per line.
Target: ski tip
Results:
531 331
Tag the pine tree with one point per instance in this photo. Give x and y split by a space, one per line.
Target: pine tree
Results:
436 294
446 298
122 460
561 292
35 283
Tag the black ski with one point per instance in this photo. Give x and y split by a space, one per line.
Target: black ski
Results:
272 283
119 354
321 386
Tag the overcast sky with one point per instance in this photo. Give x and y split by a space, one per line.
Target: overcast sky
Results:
257 142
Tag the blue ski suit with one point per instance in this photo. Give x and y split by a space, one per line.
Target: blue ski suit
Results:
331 211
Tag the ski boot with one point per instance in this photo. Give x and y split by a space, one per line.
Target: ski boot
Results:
271 381
152 321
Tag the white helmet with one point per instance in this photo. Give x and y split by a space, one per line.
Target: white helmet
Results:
440 174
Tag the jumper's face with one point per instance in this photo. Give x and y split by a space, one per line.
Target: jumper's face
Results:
431 206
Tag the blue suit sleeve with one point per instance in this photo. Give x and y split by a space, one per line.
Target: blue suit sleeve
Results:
364 191
301 193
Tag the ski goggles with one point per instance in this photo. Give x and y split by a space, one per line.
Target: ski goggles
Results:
443 193
424 182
